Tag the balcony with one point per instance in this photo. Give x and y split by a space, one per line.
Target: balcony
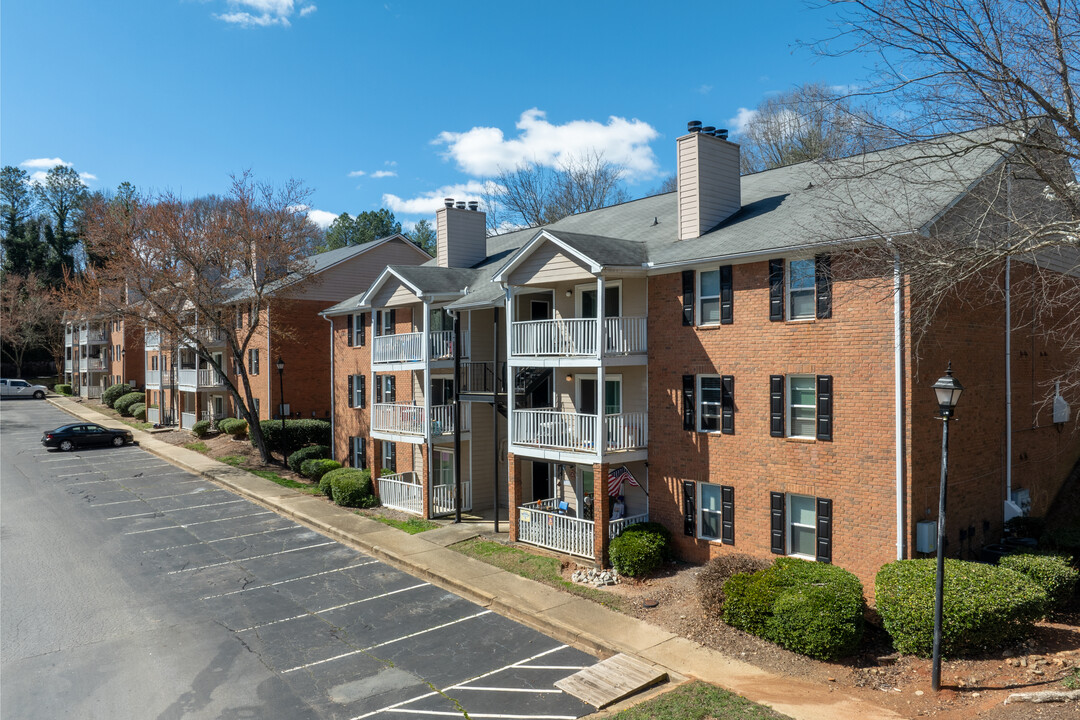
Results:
577 337
153 377
401 491
192 379
95 364
480 377
208 336
152 340
404 419
576 432
409 347
542 524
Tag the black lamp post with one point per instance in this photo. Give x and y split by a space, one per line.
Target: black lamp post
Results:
948 390
281 392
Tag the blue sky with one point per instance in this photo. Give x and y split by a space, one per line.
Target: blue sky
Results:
377 104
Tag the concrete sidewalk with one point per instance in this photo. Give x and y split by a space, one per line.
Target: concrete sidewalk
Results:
567 618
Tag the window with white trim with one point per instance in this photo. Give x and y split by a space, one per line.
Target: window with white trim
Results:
802 526
358 329
801 289
710 402
358 391
715 512
801 406
253 361
709 297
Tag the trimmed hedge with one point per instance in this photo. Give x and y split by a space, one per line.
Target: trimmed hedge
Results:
62 389
711 579
233 426
297 434
639 549
351 487
124 402
810 608
985 606
1052 572
324 484
113 393
138 411
201 429
311 452
317 467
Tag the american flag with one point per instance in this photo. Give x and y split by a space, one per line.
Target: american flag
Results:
615 480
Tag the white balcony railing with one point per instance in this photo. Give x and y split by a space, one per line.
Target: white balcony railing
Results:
442 419
153 377
627 431
577 337
401 491
95 363
209 377
152 339
540 524
625 335
188 420
188 377
442 345
443 496
395 418
93 391
404 347
153 415
555 429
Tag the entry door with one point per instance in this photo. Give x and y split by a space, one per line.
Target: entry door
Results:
587 304
542 481
539 309
587 400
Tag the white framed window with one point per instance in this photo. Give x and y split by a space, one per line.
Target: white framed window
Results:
708 293
388 461
585 299
358 329
383 322
710 402
358 458
442 470
801 406
253 361
710 511
802 526
801 289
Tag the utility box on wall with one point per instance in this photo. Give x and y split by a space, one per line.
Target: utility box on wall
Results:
926 536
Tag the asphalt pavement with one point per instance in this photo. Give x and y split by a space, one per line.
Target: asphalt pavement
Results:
134 589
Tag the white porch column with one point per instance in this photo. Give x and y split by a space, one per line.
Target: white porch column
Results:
509 371
599 445
425 340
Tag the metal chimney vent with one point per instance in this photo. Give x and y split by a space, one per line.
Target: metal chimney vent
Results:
448 202
460 204
722 133
708 130
474 205
693 126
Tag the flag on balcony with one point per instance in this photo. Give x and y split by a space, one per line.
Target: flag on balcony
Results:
615 479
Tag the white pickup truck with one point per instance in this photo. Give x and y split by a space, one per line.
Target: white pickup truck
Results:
21 388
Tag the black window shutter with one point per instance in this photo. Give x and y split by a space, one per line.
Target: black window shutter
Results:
776 290
726 296
363 390
823 285
393 457
727 514
727 404
362 443
688 297
824 407
349 342
378 387
352 451
391 389
824 530
393 322
689 490
777 523
776 405
351 378
362 319
688 403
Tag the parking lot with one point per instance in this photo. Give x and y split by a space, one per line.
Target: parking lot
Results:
349 636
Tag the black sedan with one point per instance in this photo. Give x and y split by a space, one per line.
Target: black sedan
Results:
69 437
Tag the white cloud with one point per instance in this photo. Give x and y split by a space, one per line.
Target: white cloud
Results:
705 89
322 218
87 176
357 173
427 203
383 173
304 12
484 151
743 118
262 13
38 176
44 163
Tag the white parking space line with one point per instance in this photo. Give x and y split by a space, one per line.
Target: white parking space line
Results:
575 668
224 539
88 482
253 557
485 688
193 507
295 579
115 502
63 459
87 472
387 642
202 522
336 607
458 686
198 491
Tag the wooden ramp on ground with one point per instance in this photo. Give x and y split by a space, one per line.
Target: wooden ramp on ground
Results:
611 680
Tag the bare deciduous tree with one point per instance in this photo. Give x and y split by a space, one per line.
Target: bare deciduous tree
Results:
29 318
184 267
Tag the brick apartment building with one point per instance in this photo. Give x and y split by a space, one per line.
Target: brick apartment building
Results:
100 352
754 400
182 386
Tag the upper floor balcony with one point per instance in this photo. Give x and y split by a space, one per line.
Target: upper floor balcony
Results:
152 340
405 348
195 379
578 433
208 336
407 419
578 338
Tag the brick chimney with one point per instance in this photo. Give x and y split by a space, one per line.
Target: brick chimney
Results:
708 179
462 234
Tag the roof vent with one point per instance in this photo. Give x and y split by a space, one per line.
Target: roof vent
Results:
448 202
460 205
722 133
693 126
708 130
474 205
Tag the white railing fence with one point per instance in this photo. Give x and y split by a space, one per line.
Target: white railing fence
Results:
625 335
152 339
442 498
548 529
187 376
187 420
627 431
616 527
406 347
562 336
153 415
210 378
153 377
442 419
391 417
93 391
95 363
401 491
555 429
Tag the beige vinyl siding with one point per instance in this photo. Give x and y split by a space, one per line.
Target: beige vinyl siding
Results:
394 293
355 275
462 237
634 297
548 264
709 186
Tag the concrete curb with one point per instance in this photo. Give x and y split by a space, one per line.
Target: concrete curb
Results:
569 619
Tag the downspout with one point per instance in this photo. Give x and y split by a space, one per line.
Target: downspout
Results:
333 406
457 417
269 381
898 392
1008 385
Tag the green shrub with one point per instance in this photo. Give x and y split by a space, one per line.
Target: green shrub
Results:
984 605
317 467
711 579
62 389
324 484
201 429
113 393
656 528
233 426
138 411
637 552
810 608
1025 526
1053 573
124 402
297 434
351 487
311 452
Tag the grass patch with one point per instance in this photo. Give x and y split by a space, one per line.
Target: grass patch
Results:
696 701
534 567
199 447
286 482
411 526
138 425
234 460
